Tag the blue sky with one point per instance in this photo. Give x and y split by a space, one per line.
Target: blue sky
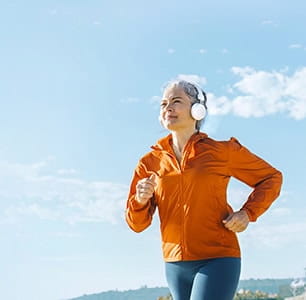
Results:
80 83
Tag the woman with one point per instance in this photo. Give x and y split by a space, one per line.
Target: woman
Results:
185 176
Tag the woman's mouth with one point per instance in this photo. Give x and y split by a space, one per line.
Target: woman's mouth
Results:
171 117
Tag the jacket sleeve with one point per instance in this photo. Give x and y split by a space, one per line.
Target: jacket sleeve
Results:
139 216
258 174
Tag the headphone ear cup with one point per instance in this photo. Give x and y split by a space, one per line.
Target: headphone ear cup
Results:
198 111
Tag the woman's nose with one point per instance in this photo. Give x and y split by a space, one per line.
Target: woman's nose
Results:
169 107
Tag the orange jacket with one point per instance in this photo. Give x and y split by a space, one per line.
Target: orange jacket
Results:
191 196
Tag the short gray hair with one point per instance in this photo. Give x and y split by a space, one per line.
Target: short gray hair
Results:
190 90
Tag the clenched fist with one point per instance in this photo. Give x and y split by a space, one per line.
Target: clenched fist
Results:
145 189
237 221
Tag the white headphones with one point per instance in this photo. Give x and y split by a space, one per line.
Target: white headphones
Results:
198 109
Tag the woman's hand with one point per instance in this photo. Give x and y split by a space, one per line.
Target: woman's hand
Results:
237 221
145 189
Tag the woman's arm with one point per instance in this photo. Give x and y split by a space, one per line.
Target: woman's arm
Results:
138 215
257 173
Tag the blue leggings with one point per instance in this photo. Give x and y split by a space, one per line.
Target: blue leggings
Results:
208 279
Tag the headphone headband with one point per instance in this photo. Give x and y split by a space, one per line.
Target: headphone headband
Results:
200 94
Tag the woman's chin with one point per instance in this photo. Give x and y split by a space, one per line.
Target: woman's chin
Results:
170 126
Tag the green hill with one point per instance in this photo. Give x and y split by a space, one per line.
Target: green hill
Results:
139 294
270 286
265 285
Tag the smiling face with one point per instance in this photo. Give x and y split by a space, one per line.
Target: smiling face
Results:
175 109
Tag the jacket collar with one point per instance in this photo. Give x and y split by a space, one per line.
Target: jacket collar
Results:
164 144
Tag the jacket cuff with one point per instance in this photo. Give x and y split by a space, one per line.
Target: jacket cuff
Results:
137 206
252 218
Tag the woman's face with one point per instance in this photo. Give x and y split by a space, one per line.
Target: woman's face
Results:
175 109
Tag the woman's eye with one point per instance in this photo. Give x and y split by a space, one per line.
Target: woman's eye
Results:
165 104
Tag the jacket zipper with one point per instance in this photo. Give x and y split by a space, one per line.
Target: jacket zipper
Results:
182 216
181 200
180 166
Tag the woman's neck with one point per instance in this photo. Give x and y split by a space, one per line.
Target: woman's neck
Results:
180 138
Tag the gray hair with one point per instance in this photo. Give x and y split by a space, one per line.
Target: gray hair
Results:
191 91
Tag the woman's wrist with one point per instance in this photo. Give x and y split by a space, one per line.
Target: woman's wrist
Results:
141 201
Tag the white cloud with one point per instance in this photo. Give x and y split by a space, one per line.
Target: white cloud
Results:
295 46
203 51
250 106
13 212
275 235
281 211
224 51
28 191
262 93
297 110
218 105
296 91
260 84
